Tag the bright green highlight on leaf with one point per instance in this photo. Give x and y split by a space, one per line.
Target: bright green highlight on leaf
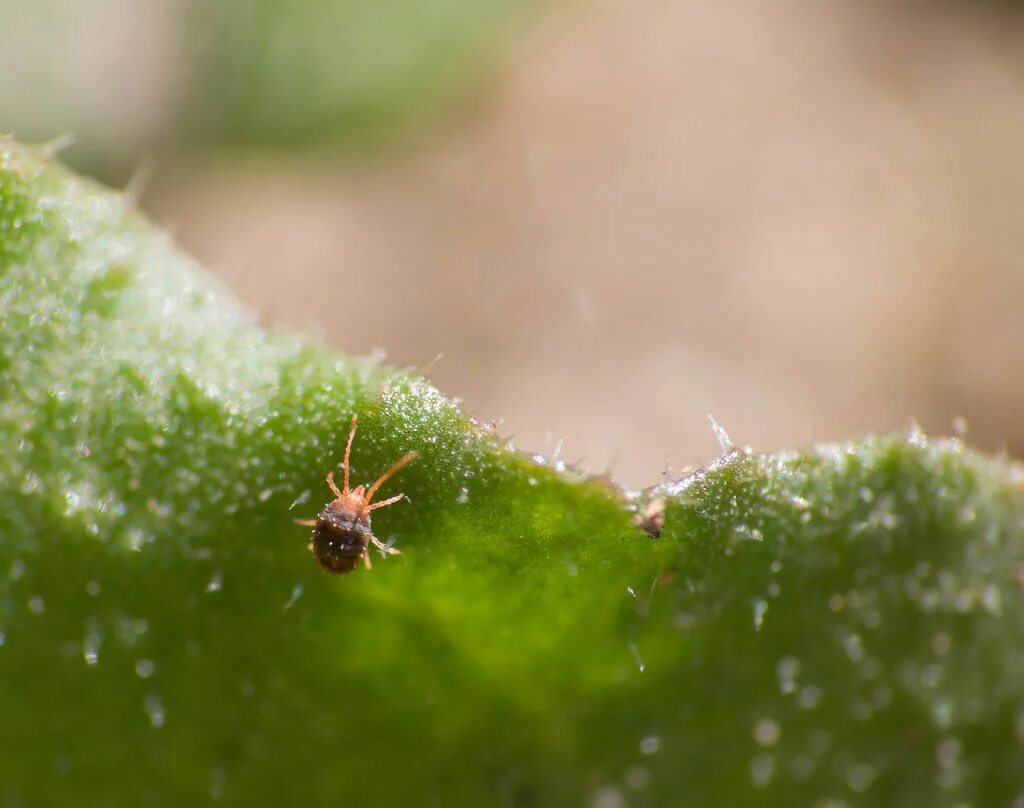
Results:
835 627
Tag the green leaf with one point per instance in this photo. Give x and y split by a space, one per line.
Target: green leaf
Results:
325 72
839 626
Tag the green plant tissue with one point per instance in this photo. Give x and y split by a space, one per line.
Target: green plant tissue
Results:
341 72
840 626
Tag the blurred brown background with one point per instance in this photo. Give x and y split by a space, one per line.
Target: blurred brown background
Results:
804 217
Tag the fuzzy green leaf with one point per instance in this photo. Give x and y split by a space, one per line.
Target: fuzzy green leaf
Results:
834 627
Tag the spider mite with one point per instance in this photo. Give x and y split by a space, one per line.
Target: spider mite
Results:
341 533
651 520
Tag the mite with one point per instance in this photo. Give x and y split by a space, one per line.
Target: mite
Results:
651 520
341 533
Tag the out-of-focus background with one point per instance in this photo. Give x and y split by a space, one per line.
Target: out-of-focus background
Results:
613 216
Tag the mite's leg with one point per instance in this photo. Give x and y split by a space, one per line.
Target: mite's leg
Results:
306 522
390 501
389 550
366 560
348 449
330 482
402 461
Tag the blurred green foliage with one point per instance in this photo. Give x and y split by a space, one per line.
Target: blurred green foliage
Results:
340 71
834 627
130 80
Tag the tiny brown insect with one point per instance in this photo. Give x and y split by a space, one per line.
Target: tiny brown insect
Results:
651 520
341 533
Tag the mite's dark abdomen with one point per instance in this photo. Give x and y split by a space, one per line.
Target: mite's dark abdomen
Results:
339 542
